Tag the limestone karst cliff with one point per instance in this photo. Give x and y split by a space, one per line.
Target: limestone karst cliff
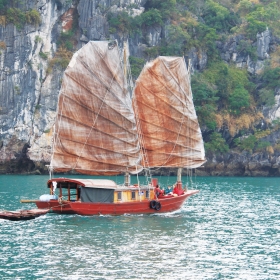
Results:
32 63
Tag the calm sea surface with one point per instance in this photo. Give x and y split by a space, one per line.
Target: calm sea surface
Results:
230 230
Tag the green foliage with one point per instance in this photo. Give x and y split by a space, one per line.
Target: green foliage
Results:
66 39
262 146
3 4
262 133
232 85
204 97
33 17
266 97
176 42
239 99
20 18
206 39
219 17
254 27
120 22
43 55
153 52
261 17
246 144
245 6
271 77
61 59
16 17
151 18
217 144
166 7
17 90
247 48
276 124
124 23
38 39
136 66
37 107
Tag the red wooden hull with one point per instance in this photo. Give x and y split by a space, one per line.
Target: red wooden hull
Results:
168 204
55 206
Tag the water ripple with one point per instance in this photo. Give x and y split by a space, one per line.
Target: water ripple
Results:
230 230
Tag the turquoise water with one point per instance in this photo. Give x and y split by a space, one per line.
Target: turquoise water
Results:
230 230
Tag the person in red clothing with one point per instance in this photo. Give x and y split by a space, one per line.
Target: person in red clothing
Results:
158 191
178 190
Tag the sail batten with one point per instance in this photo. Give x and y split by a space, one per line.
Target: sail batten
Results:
95 129
167 122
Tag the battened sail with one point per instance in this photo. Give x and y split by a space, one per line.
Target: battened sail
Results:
95 128
167 123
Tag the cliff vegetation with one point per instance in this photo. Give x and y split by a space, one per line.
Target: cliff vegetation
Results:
233 47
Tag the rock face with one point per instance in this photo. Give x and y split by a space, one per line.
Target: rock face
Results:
28 98
29 93
234 50
241 164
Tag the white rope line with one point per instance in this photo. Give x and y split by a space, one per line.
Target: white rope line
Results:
132 86
141 139
56 129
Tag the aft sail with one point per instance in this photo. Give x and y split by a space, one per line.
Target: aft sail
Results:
167 123
95 128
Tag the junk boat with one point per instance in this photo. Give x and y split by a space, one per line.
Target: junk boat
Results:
107 126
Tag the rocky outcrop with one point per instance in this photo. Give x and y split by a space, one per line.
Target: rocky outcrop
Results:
273 113
241 164
29 92
235 50
28 96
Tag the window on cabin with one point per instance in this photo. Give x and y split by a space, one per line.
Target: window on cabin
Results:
133 195
147 194
119 196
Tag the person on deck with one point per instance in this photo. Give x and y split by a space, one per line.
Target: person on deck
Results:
178 190
158 191
168 190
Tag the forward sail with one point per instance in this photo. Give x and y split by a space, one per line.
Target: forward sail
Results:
95 128
168 128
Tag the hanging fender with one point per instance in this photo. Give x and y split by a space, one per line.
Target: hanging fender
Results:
155 205
158 206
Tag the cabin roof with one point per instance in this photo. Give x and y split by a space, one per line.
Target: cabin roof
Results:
95 183
88 183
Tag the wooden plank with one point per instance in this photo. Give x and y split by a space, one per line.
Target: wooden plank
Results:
27 201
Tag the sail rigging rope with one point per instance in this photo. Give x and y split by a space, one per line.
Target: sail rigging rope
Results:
56 129
142 143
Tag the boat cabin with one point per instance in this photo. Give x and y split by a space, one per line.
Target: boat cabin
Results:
98 190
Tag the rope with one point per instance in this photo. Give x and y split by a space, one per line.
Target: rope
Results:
142 141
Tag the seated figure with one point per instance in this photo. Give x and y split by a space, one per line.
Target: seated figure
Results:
158 192
178 190
168 190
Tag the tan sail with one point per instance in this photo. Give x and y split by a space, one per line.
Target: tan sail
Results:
95 129
167 123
